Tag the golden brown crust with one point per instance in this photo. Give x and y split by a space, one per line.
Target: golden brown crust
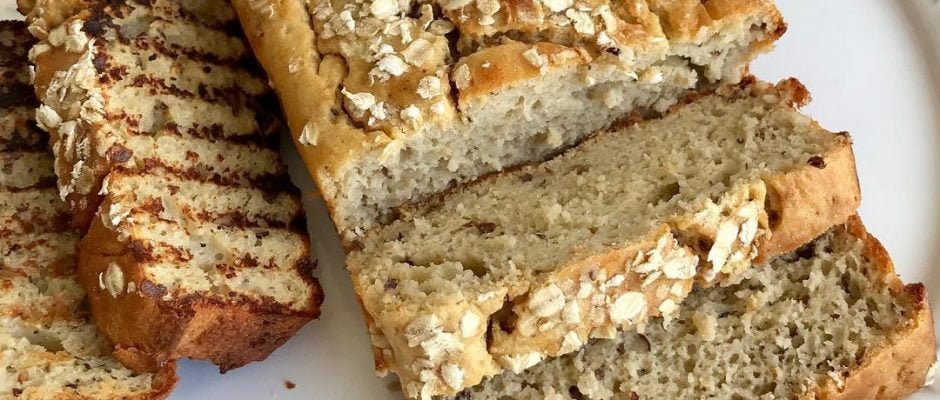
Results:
806 201
311 69
83 205
163 383
150 330
276 42
900 366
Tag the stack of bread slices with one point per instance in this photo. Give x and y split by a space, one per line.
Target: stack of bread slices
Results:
49 348
163 213
588 199
538 199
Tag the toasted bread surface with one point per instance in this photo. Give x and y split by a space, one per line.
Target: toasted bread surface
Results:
49 346
165 136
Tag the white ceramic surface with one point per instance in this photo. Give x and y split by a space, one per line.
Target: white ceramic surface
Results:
873 67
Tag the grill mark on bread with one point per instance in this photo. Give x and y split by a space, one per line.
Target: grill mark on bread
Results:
38 249
236 219
17 142
175 11
189 70
15 76
10 57
173 51
220 114
274 182
233 216
160 226
233 96
213 132
18 132
41 249
34 210
108 19
36 164
206 127
262 305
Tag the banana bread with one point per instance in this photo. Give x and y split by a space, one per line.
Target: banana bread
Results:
391 101
536 261
49 348
829 321
165 139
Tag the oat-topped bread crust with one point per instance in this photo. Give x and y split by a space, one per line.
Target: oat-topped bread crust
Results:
830 321
534 262
49 349
165 135
391 101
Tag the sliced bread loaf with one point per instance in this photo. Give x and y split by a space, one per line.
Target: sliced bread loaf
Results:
391 101
164 135
534 262
49 349
829 321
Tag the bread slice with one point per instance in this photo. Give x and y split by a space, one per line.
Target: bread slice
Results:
164 134
392 101
49 349
829 321
534 262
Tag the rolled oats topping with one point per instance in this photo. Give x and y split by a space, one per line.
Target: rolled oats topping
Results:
422 328
571 314
469 324
360 101
571 342
628 307
521 362
309 135
430 87
453 375
547 301
462 76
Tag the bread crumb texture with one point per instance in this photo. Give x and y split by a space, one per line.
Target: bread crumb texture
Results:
803 324
407 98
602 238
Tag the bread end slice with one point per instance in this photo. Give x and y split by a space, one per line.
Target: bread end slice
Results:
828 321
906 361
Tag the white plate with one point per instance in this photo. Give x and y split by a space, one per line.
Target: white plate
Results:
873 68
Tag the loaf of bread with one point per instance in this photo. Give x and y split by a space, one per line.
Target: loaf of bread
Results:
164 135
829 321
391 101
49 349
536 261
